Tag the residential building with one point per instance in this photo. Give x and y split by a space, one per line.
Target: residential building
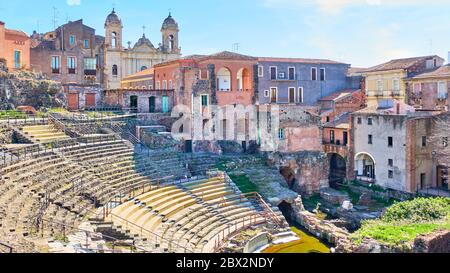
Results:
430 90
388 80
14 48
390 147
70 54
301 81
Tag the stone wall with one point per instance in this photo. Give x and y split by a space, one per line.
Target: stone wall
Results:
306 172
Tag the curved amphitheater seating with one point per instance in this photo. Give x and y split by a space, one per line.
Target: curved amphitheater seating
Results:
188 216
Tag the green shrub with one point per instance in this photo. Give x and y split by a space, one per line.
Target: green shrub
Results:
420 209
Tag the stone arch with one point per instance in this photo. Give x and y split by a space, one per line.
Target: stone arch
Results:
365 166
243 79
224 79
289 174
338 169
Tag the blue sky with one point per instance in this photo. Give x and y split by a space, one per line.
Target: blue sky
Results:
360 32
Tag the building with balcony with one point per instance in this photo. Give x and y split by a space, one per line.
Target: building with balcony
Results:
391 147
301 81
14 48
389 80
430 90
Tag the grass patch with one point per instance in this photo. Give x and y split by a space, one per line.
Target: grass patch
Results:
404 221
244 184
12 114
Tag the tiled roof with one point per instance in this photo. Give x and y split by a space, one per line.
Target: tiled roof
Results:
400 63
298 60
16 32
141 74
227 55
443 71
343 121
405 109
340 95
186 58
355 71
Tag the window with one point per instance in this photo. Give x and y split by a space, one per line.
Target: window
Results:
17 59
328 118
396 85
266 93
115 70
273 72
380 86
71 65
390 142
359 120
281 134
332 137
390 162
204 74
90 66
204 100
164 85
445 142
370 139
158 85
391 174
322 74
86 43
424 141
314 74
273 95
72 40
170 84
113 40
143 68
300 95
150 87
442 90
370 121
292 96
55 64
291 73
260 71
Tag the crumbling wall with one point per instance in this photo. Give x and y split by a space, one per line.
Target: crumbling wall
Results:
28 88
309 171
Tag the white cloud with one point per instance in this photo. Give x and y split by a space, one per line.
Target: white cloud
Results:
73 2
334 7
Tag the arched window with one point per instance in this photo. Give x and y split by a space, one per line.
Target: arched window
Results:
171 42
224 79
243 79
114 40
115 70
143 68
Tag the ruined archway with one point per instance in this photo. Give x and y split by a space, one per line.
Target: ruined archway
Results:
289 174
287 210
338 170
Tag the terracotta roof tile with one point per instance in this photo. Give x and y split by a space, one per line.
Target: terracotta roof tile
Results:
443 71
399 63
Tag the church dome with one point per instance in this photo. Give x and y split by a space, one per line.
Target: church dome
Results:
113 18
144 41
169 22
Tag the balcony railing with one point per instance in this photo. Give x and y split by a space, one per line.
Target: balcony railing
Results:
90 72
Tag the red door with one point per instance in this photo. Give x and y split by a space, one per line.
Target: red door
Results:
90 100
73 101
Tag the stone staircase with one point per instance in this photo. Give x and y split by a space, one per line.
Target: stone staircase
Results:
43 133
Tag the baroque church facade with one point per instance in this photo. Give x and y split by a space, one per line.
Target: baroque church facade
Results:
120 62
